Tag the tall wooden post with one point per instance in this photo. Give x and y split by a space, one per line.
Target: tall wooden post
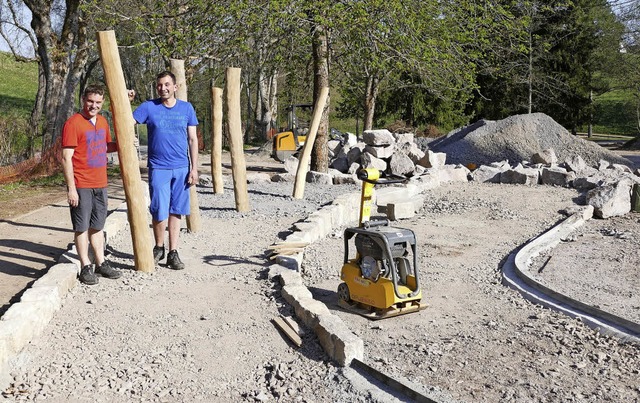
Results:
193 219
238 165
216 139
129 164
301 173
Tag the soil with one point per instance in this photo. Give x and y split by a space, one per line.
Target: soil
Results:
24 199
206 333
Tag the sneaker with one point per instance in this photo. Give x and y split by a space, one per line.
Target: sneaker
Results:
173 261
158 253
105 270
88 276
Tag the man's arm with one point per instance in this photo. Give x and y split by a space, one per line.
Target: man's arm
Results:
193 154
67 167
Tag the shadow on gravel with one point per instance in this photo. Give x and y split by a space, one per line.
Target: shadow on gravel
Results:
18 224
327 297
225 260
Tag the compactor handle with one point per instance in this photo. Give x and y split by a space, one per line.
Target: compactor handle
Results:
381 179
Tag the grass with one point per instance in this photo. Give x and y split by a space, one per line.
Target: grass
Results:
18 86
615 114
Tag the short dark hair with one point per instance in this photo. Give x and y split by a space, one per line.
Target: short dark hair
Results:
93 89
166 73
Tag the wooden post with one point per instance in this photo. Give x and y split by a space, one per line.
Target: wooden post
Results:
301 173
238 165
216 139
193 219
129 164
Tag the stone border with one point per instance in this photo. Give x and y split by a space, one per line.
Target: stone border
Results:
516 274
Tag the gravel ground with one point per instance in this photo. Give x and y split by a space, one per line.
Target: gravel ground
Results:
205 334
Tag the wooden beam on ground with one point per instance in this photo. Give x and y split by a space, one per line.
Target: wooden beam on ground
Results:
216 139
301 174
288 331
193 219
127 155
238 165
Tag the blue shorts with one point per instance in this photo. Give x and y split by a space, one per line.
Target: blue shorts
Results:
169 192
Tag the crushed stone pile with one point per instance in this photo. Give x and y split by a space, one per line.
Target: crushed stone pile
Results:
516 139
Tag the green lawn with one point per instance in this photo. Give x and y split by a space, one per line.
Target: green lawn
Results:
18 86
615 114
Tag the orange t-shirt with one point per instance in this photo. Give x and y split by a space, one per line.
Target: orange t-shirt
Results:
90 149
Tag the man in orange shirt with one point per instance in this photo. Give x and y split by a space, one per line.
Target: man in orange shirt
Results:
86 139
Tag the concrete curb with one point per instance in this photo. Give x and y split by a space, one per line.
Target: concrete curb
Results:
516 274
27 319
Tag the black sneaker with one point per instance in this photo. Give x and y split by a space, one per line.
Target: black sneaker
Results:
158 253
88 276
173 261
105 270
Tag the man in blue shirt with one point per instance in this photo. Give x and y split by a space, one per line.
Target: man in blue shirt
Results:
172 162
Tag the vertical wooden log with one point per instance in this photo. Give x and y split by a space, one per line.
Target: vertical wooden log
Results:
193 219
301 173
129 164
216 139
238 165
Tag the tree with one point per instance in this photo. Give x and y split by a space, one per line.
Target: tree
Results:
62 51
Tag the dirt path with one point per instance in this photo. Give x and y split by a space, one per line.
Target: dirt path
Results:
35 229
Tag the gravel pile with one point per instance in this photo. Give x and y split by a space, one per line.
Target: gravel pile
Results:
516 139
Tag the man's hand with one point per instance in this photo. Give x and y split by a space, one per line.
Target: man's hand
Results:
193 177
72 197
131 94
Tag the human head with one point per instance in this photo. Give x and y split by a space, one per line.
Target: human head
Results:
166 85
92 100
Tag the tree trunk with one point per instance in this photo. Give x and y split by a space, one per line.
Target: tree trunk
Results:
370 96
36 113
63 58
320 153
267 103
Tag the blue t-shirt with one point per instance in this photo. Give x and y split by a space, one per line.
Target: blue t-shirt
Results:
168 145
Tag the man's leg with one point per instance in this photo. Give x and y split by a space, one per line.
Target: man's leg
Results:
175 221
158 231
81 240
97 244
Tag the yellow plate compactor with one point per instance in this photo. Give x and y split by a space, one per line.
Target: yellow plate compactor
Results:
383 279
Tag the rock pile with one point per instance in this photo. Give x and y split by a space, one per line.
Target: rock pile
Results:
523 149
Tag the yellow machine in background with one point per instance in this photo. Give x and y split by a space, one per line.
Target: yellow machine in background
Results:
290 141
383 279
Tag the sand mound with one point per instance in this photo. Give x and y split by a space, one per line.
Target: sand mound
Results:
516 139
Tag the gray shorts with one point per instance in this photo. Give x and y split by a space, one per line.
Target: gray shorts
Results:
91 211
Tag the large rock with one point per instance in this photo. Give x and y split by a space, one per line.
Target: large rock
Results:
382 137
611 200
380 151
487 173
433 160
545 157
369 161
520 175
556 176
401 164
354 153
